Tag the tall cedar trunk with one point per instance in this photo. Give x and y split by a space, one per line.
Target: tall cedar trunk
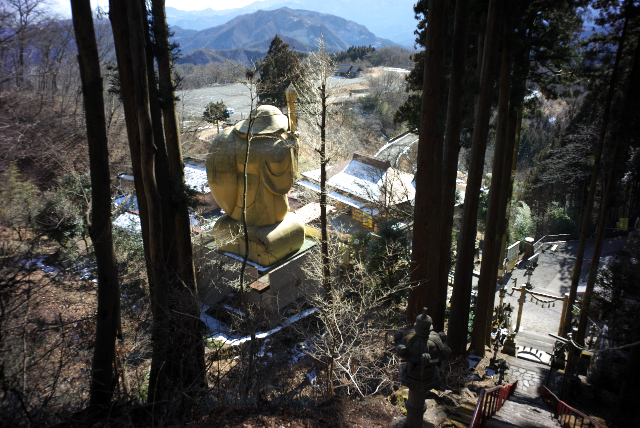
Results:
510 157
120 29
192 345
466 245
481 34
486 283
595 260
507 210
129 15
184 365
427 214
458 316
514 125
161 161
586 220
172 136
631 95
326 270
108 316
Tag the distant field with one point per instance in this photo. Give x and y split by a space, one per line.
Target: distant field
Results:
236 96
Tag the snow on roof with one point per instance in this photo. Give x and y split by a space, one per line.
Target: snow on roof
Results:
397 70
195 176
368 182
346 200
128 221
131 201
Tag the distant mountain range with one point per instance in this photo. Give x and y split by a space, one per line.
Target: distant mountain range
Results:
389 19
248 36
243 54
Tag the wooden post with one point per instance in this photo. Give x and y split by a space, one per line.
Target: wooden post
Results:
523 293
565 300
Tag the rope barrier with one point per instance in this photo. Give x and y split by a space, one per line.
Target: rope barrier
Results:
630 345
549 303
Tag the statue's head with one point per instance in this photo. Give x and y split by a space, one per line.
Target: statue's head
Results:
423 323
265 120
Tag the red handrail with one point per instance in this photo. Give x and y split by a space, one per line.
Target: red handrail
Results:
567 415
489 402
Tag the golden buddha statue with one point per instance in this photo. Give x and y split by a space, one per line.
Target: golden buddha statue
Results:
273 231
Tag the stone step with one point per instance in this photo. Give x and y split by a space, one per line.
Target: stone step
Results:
531 376
463 415
534 340
533 354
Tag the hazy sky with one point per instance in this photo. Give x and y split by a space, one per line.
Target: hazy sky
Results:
63 7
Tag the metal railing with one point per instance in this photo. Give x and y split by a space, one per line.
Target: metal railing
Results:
550 238
489 402
567 415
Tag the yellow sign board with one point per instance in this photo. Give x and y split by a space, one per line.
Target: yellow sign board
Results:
367 221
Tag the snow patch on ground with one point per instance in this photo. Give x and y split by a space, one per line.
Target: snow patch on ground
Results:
220 331
39 263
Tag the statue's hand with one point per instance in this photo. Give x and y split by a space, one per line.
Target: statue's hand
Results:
425 358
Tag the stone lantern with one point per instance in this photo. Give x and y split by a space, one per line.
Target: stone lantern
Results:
421 350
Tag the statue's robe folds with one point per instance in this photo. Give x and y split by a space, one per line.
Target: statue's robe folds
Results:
273 232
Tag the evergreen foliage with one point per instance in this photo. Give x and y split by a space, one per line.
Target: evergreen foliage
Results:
278 70
558 220
66 212
409 112
354 54
215 112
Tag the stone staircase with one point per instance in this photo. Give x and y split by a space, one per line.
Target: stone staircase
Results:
523 410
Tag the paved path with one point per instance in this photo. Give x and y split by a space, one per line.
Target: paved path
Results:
531 376
551 276
522 410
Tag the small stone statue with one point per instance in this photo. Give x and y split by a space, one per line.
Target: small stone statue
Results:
421 350
422 345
